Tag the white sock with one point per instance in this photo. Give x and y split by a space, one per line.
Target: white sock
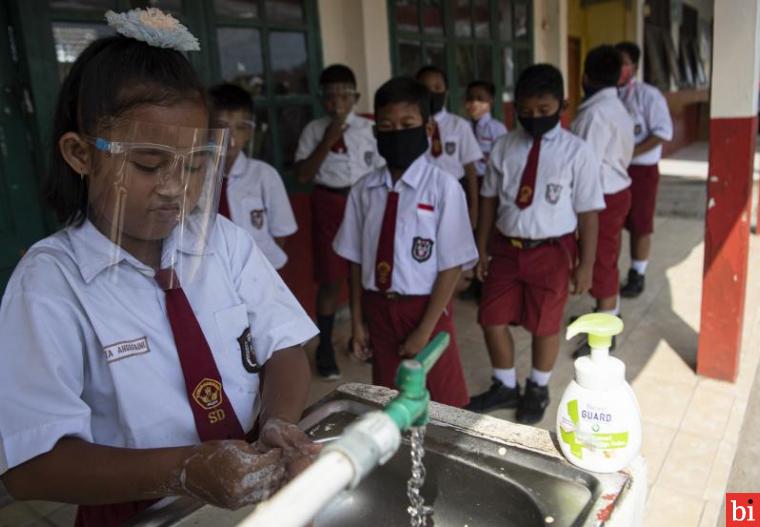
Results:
506 376
615 311
640 266
540 377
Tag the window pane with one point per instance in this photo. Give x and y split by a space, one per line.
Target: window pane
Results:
409 60
462 18
290 62
465 65
261 146
505 19
240 56
83 5
169 6
70 40
523 59
432 17
237 8
288 11
407 16
481 18
509 68
435 54
483 63
521 21
291 120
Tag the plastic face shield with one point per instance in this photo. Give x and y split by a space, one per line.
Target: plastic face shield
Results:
242 133
153 186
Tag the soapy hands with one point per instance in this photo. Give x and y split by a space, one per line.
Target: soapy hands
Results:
231 474
298 451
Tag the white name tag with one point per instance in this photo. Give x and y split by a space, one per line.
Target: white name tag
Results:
128 348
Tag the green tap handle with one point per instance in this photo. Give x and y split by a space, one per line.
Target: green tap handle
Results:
433 351
409 408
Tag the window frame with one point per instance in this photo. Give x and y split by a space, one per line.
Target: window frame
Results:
451 42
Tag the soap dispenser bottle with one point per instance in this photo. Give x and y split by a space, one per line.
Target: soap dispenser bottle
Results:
598 420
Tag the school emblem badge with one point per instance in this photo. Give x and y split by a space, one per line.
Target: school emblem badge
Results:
368 155
637 129
451 147
248 352
208 394
422 249
257 218
552 193
383 273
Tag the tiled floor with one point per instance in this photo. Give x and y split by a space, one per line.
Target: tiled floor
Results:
691 424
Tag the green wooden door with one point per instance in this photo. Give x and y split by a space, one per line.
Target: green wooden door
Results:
21 221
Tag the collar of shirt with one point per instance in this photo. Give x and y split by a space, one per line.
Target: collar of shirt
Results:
411 176
95 253
238 167
351 118
441 116
551 135
484 120
599 97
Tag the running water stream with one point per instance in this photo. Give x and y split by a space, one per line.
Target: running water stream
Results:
417 509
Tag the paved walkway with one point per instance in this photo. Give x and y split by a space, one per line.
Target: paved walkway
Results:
691 424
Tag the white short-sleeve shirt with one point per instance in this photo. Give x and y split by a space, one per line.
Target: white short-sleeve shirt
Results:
432 227
487 131
88 349
259 204
649 110
604 123
458 143
567 184
341 170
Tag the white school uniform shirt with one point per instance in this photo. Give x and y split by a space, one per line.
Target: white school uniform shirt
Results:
604 123
432 227
487 131
568 182
65 312
649 110
458 144
259 205
342 170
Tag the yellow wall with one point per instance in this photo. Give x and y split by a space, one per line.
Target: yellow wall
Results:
602 23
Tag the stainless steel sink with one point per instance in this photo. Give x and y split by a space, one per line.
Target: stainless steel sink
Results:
471 481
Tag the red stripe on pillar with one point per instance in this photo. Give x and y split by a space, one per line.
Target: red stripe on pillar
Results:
727 225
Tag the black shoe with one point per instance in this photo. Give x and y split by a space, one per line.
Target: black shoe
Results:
497 396
533 403
327 368
584 349
634 286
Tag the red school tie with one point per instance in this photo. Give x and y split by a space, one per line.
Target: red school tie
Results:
436 149
384 258
214 416
339 146
224 203
528 181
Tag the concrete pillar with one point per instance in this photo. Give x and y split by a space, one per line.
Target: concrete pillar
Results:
733 125
550 33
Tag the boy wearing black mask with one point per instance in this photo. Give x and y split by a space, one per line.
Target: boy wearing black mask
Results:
541 186
607 127
453 146
407 237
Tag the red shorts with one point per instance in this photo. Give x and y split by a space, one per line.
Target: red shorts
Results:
528 287
606 280
327 210
644 182
390 322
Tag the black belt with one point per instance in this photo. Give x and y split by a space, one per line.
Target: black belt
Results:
391 295
525 243
343 191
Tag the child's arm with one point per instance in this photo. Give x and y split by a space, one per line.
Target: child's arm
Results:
307 168
443 289
359 335
588 230
229 474
471 181
647 144
486 218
